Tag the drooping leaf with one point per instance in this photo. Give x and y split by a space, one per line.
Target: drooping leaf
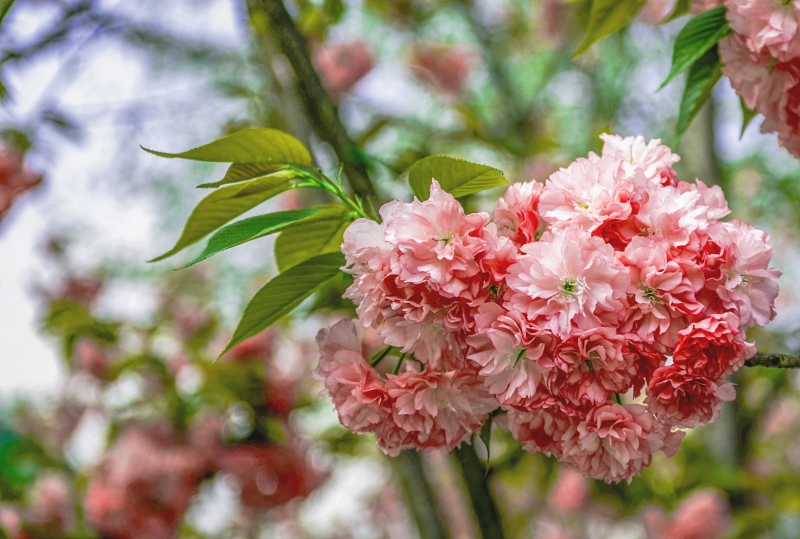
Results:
250 229
239 172
703 76
254 146
223 205
682 7
456 176
5 7
607 17
283 293
699 35
319 234
747 116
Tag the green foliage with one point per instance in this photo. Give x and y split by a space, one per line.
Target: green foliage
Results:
239 172
319 234
283 293
747 116
607 17
457 177
253 146
226 204
695 39
703 76
71 321
250 229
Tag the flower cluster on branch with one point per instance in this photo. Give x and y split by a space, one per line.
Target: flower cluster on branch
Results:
614 278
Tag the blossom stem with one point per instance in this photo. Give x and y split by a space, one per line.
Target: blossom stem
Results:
399 364
377 358
420 495
778 361
320 108
478 490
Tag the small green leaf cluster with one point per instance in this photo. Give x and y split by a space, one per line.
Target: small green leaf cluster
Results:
265 163
696 49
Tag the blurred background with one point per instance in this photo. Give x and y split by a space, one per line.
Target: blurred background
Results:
114 420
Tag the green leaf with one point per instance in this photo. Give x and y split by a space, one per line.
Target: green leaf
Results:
253 146
703 76
239 172
607 17
747 116
283 293
5 7
699 35
682 7
225 204
319 234
250 229
457 177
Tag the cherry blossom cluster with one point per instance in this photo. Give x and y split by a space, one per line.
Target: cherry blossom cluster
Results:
762 61
596 315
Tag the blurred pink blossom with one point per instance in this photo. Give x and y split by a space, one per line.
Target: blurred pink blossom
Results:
655 11
444 67
269 475
51 508
703 515
15 179
143 486
570 493
341 65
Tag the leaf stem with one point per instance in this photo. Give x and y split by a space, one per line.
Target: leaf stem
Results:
399 364
377 358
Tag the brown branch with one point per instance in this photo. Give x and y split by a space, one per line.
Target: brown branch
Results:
779 361
320 107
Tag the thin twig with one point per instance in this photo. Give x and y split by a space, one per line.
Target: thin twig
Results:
320 106
778 361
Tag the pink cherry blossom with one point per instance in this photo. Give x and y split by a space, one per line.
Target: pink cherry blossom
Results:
769 24
508 353
540 429
360 397
590 366
746 285
766 85
712 347
440 409
613 443
590 193
438 244
568 280
684 399
516 214
661 295
653 158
